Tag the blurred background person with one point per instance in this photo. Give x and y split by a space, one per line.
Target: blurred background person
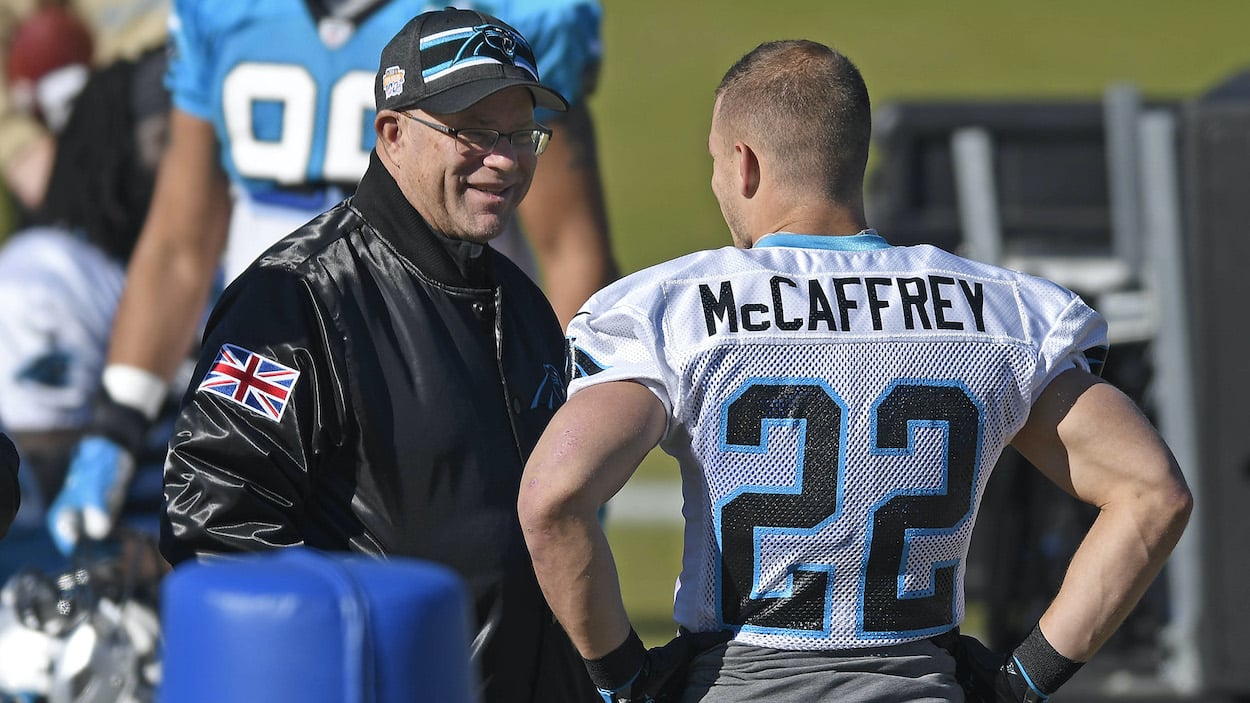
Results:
262 139
41 74
60 281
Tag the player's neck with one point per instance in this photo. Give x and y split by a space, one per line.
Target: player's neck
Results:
820 219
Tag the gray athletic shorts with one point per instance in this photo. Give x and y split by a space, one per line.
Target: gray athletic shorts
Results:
741 673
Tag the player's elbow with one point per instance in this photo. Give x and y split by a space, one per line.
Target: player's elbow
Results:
543 505
1164 505
534 509
1175 504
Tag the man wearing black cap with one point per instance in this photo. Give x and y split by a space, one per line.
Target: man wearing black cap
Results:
375 381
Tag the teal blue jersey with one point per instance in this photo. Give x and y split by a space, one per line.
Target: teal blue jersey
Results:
290 95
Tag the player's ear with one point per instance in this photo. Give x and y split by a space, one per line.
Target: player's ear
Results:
748 169
386 125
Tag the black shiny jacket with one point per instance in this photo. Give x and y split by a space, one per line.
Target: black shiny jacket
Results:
427 369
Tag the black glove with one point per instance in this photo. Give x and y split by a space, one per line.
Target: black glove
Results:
10 489
125 426
633 674
1029 674
984 676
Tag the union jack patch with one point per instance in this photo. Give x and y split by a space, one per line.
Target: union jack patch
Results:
257 383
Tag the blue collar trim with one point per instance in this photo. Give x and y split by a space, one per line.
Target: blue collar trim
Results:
865 240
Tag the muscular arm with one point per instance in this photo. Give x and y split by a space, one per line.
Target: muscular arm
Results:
1092 441
565 218
172 268
592 446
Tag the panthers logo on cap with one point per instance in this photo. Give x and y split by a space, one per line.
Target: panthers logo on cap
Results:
491 39
447 52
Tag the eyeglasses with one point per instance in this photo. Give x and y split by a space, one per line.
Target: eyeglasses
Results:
479 140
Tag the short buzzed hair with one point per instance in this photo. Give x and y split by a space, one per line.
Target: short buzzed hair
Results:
808 105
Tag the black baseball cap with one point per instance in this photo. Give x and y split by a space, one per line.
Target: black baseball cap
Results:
446 60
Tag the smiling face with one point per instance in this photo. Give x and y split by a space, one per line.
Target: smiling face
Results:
467 196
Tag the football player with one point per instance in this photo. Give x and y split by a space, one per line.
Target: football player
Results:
836 405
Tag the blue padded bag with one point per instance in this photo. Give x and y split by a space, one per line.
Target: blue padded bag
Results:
302 625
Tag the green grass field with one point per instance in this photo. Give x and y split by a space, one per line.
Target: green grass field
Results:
663 60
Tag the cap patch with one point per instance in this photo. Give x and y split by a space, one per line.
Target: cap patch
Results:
393 81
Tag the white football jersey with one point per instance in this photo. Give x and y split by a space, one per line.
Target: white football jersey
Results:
836 406
57 298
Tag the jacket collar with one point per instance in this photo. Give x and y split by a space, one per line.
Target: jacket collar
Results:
452 262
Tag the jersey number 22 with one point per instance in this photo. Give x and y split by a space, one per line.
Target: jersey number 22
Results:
884 609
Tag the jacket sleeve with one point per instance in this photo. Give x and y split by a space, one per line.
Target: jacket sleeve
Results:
10 489
253 423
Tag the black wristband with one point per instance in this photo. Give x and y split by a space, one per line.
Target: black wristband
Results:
1043 667
121 423
618 667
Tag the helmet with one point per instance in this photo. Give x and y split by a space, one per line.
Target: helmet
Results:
47 62
87 635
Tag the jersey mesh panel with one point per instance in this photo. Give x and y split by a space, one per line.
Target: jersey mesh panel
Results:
829 534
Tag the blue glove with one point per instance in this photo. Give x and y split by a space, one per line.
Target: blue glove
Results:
94 490
98 476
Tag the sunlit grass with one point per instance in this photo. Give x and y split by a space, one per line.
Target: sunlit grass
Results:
648 558
662 61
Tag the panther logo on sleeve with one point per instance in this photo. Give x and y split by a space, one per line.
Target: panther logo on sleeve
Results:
578 363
